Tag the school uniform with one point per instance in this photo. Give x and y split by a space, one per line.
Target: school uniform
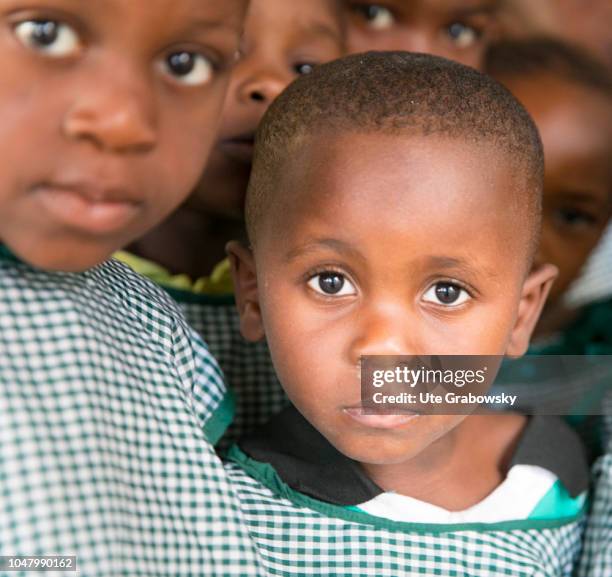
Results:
208 304
109 405
312 511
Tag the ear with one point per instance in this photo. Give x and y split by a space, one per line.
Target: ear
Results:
244 276
533 296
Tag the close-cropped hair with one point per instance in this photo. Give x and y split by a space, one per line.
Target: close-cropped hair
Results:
548 56
396 93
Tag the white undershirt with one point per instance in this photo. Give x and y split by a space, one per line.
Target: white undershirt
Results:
516 497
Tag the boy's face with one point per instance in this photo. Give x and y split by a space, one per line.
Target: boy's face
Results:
109 110
576 128
382 245
283 39
456 29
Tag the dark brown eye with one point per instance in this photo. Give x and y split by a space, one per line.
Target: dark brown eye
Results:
48 37
304 68
331 284
189 68
447 294
376 16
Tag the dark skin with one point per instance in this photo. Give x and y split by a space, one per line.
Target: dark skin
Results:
575 123
282 40
456 29
109 113
575 21
394 220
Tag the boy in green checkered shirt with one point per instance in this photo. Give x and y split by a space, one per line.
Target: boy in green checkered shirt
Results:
394 208
108 401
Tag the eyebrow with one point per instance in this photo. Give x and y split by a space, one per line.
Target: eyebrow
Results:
316 244
453 263
202 24
320 29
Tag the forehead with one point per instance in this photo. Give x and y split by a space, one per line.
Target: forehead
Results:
575 121
282 17
389 192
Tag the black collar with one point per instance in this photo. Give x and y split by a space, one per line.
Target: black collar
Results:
309 464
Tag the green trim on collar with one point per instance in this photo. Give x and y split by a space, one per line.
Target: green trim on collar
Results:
221 418
6 253
267 476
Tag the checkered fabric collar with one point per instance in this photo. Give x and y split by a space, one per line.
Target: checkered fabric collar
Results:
309 464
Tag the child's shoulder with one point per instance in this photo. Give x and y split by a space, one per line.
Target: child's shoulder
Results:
105 326
110 294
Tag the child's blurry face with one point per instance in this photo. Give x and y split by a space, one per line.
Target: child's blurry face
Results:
283 39
576 128
379 245
109 110
456 29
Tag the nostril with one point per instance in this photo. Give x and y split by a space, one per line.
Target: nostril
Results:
257 95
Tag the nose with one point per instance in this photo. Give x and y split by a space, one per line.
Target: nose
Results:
115 112
382 331
415 40
262 86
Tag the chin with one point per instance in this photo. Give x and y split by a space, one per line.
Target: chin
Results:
378 450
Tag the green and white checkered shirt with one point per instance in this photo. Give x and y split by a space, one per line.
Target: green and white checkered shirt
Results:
247 367
108 406
299 535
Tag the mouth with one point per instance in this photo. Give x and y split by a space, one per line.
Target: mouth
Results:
91 207
379 419
240 147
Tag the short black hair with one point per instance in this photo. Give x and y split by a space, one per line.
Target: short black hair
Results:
541 56
397 93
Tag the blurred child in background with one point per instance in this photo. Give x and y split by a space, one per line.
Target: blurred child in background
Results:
107 398
569 95
186 254
456 29
282 40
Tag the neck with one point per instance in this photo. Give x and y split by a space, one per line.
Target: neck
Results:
458 470
188 242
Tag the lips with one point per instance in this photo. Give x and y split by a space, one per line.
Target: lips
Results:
379 419
239 148
95 208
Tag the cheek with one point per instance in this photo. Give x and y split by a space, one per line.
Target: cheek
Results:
308 353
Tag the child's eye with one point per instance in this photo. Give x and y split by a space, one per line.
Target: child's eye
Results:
378 17
189 68
49 37
463 35
446 294
575 218
304 68
331 284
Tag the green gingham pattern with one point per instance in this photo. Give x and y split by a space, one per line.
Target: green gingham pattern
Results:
297 535
247 367
596 558
105 400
